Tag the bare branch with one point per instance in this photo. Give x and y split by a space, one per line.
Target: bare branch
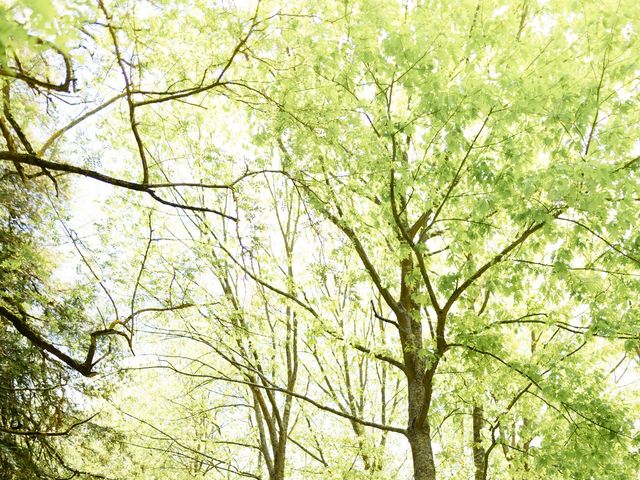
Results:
75 122
299 396
28 159
84 367
35 82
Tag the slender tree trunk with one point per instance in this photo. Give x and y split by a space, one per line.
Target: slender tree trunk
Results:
279 464
478 451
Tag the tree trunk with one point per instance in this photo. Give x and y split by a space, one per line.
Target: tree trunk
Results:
419 435
279 464
478 450
419 372
421 453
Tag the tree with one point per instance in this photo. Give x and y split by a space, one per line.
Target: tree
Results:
38 403
463 168
468 177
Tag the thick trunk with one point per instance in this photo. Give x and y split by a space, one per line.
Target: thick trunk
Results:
419 432
422 454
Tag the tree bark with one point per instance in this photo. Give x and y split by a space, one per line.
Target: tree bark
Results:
422 453
419 429
479 457
279 464
419 371
419 433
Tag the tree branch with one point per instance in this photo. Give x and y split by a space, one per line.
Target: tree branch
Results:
85 367
27 159
37 433
366 423
495 260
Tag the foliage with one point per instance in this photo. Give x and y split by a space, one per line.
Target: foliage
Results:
344 239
